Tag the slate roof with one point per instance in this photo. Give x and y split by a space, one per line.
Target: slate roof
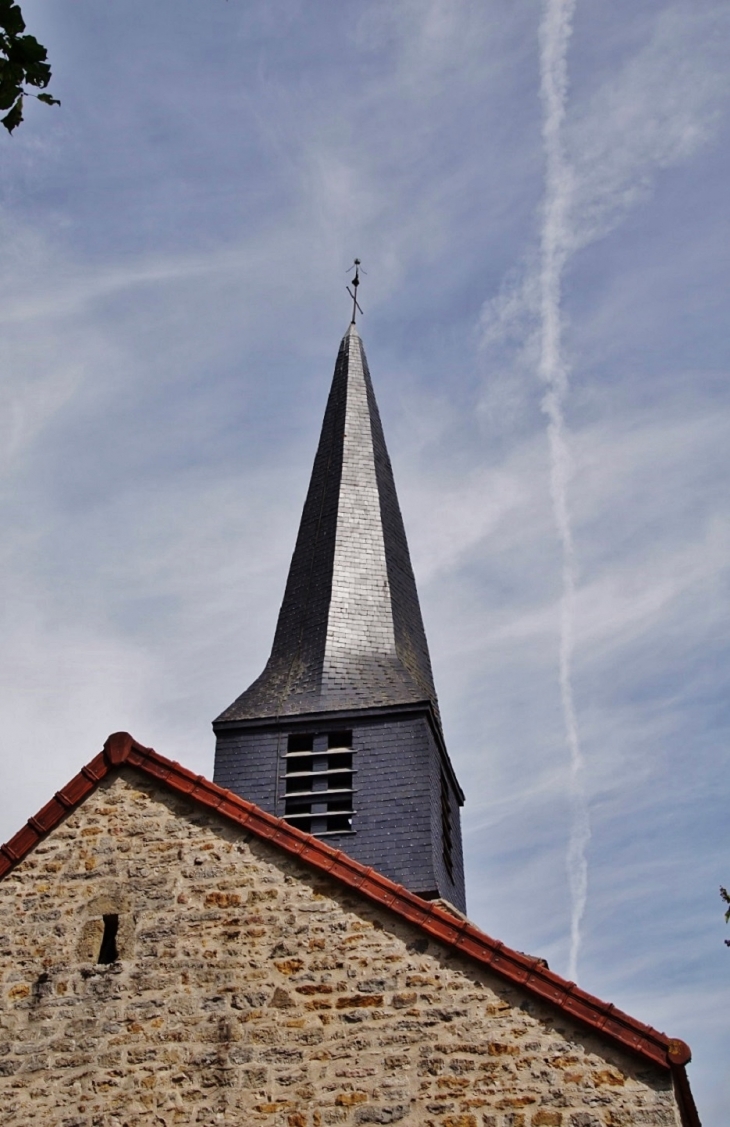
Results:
531 974
350 633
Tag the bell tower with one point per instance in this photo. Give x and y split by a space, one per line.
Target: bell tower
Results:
341 734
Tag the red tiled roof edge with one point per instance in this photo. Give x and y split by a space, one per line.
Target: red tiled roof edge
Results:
461 935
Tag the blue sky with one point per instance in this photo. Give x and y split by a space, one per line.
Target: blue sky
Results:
173 254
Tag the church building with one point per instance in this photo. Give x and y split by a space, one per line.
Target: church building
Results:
288 944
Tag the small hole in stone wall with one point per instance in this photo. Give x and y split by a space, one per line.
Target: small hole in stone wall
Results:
108 951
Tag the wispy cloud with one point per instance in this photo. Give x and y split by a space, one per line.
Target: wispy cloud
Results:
602 154
555 32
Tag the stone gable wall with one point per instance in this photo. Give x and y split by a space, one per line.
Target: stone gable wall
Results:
250 990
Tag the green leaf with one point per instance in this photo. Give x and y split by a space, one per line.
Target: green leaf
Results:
14 117
38 74
29 50
11 72
9 91
22 64
11 17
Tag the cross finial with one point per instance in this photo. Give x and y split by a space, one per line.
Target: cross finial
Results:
353 292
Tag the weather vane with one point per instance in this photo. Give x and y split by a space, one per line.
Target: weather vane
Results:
353 292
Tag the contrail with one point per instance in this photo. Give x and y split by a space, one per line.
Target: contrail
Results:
555 247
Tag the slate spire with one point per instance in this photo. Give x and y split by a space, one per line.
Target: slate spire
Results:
350 632
340 735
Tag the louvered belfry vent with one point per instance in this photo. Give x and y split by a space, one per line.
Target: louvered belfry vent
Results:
318 784
341 735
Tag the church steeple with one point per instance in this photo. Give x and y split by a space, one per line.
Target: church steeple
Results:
341 732
350 633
